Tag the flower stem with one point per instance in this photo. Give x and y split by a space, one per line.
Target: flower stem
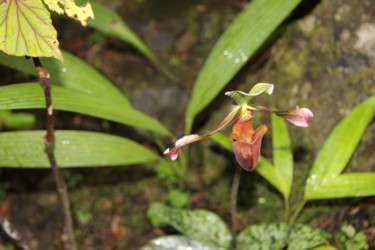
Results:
236 183
287 209
296 213
48 141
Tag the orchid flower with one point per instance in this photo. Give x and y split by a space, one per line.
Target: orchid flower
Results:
246 142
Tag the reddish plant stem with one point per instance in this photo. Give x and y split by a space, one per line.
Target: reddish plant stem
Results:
235 185
48 141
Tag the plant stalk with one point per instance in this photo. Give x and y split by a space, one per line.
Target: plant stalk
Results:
296 213
287 209
235 185
48 141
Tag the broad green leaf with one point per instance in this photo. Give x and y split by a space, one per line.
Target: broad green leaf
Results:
31 96
26 30
72 149
200 225
282 153
277 236
241 40
173 242
242 98
110 23
339 147
346 185
264 167
81 13
73 73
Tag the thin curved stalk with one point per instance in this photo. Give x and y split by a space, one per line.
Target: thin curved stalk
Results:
235 185
296 213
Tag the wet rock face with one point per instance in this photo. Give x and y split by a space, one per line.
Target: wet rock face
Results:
326 62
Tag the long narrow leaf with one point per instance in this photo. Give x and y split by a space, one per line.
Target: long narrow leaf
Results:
72 149
73 73
242 39
339 147
31 96
347 185
282 153
110 23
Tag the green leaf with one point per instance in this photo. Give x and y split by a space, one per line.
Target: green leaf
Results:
178 198
306 237
110 23
200 225
173 242
31 96
241 40
282 154
277 236
20 120
73 73
242 98
346 185
26 30
338 148
263 236
264 167
72 149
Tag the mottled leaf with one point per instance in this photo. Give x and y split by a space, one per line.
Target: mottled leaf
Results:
26 30
80 13
305 237
173 242
277 236
263 236
200 225
72 149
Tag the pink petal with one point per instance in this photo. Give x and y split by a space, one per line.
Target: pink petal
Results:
233 116
182 142
297 116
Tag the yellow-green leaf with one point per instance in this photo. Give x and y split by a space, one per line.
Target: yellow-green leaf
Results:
26 30
80 13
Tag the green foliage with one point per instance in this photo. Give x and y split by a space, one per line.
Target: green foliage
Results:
31 96
20 120
178 198
73 73
174 241
324 180
16 121
26 30
350 240
72 149
111 24
277 236
200 225
240 41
